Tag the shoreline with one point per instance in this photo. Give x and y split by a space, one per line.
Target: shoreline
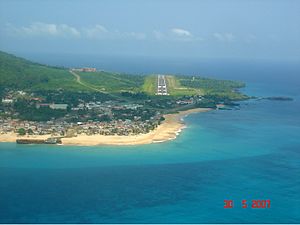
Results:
169 129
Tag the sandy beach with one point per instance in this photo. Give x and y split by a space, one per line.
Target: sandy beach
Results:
168 130
12 137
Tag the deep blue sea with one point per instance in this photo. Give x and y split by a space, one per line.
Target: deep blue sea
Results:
247 154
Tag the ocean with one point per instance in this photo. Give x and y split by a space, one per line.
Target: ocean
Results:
248 154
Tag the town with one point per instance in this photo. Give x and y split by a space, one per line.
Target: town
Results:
106 118
44 113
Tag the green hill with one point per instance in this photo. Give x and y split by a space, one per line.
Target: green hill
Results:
22 74
19 73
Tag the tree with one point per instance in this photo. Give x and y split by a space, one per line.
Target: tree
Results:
21 131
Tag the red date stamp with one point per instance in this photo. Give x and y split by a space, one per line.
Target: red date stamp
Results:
254 204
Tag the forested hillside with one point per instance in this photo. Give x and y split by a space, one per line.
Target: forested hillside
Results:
19 73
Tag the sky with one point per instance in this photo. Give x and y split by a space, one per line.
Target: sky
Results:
213 29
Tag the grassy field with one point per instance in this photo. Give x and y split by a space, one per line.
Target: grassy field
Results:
112 82
149 85
52 79
215 87
176 89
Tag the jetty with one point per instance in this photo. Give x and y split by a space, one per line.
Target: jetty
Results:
39 141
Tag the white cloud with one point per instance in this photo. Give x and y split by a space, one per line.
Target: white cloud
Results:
44 29
175 34
101 32
181 32
225 37
98 31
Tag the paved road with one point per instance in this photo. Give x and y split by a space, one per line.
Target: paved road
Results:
161 85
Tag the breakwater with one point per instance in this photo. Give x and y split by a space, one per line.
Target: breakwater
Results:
39 141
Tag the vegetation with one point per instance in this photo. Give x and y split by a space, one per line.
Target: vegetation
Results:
21 131
209 83
28 111
213 87
18 73
112 82
21 74
124 114
59 101
59 85
149 85
176 89
72 98
135 95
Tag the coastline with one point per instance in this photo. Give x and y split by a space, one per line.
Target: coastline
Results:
168 130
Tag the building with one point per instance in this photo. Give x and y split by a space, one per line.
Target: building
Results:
58 106
7 101
52 106
86 69
42 105
89 69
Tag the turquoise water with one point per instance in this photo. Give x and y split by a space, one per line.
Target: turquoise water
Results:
251 153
